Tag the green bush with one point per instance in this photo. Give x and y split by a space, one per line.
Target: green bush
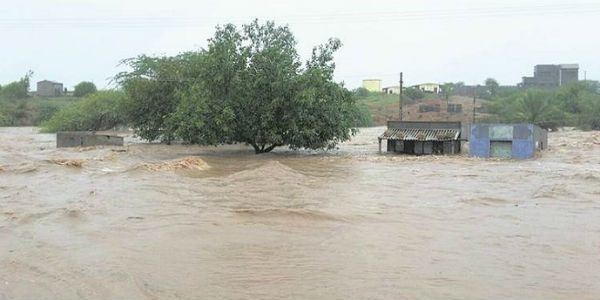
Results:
4 119
589 119
17 89
361 92
99 111
84 88
414 93
362 116
45 110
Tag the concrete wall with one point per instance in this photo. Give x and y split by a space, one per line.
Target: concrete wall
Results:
540 138
569 76
86 139
49 89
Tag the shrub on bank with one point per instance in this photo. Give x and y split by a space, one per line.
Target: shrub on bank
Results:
99 111
362 116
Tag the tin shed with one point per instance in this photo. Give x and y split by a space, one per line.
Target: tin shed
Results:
422 137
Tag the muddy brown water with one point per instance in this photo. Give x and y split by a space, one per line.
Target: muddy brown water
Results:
149 221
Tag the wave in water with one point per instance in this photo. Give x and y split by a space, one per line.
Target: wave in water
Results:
302 215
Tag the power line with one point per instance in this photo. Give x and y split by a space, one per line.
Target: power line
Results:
342 17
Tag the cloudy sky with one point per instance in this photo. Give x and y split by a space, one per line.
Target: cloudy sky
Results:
429 40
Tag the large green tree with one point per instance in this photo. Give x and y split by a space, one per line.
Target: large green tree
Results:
248 86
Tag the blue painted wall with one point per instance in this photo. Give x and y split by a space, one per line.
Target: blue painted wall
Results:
521 136
479 141
522 148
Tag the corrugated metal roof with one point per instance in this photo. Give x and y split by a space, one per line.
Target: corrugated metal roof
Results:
414 134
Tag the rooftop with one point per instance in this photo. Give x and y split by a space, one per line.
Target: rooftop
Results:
49 81
416 134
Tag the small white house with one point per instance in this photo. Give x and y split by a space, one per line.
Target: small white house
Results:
429 87
391 90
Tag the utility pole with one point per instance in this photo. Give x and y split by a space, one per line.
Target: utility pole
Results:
400 100
474 95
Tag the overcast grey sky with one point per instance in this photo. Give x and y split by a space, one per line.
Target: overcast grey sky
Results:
430 41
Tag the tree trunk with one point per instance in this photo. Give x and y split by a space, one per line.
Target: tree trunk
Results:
263 148
268 149
255 146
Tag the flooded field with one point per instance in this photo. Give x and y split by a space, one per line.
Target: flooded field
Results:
151 221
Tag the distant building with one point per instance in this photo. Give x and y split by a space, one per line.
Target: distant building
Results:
47 88
391 90
551 76
372 85
429 87
519 141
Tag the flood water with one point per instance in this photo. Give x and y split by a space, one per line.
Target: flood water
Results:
149 221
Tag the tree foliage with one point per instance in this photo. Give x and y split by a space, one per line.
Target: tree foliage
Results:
577 104
492 86
17 89
249 86
447 89
84 88
414 93
361 92
154 87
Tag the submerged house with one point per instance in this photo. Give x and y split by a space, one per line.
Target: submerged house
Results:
519 141
422 137
86 139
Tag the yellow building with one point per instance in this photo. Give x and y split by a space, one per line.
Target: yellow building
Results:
372 85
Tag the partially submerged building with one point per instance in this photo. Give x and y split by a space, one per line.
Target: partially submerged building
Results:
422 137
86 139
518 141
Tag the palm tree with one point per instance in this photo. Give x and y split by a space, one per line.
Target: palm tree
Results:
532 106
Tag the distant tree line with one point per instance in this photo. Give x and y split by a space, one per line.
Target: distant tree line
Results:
18 108
577 104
